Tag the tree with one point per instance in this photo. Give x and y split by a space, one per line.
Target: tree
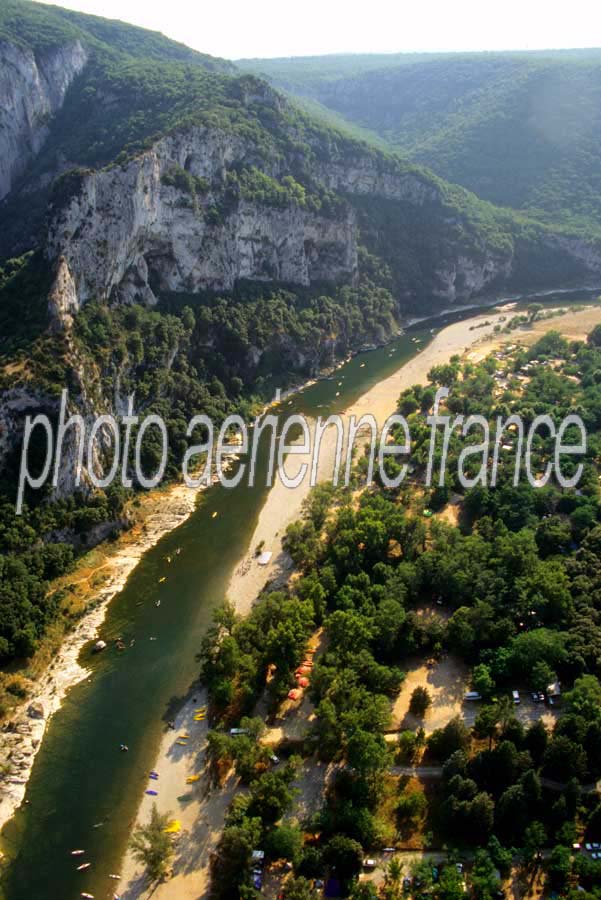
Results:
411 805
533 311
559 867
585 698
230 866
364 891
485 725
284 842
564 759
534 841
408 747
392 879
501 856
271 795
420 701
482 681
537 740
542 676
593 826
450 886
445 741
345 854
485 882
152 846
299 889
594 337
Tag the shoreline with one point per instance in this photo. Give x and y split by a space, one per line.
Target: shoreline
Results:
21 742
201 809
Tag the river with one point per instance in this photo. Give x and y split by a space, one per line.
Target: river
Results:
83 792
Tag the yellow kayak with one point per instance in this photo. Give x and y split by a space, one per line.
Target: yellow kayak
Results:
183 737
200 717
192 779
201 709
181 743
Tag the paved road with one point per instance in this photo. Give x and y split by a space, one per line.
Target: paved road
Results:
417 771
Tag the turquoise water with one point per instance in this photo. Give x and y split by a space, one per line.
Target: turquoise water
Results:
80 778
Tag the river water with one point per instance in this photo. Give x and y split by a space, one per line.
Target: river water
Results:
83 792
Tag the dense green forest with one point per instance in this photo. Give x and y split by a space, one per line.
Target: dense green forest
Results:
519 129
518 581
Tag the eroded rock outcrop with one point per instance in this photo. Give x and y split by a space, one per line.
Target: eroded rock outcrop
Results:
126 232
32 89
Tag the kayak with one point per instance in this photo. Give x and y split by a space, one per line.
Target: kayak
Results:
77 852
192 779
153 793
83 866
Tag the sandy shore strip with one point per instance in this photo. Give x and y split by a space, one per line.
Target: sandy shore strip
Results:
198 808
22 737
574 325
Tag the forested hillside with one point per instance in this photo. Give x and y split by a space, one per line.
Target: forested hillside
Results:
521 130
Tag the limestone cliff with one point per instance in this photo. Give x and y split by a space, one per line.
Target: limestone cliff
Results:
32 89
126 233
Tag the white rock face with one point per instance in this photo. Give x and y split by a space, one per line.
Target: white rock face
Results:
31 91
125 230
125 234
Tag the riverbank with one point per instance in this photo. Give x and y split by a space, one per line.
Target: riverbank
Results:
574 325
22 734
198 808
